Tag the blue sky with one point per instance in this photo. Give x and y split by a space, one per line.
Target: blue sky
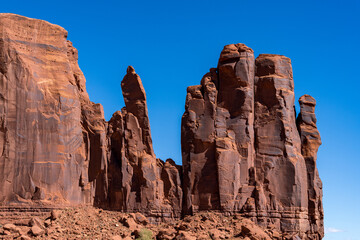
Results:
172 44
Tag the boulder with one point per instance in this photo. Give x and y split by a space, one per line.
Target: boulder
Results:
129 223
35 221
116 237
140 218
11 228
55 214
24 237
37 231
182 235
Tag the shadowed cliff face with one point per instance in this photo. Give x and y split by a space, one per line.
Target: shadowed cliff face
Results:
243 149
240 136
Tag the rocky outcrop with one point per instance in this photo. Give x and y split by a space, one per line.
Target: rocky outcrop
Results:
281 186
243 151
57 148
310 142
52 137
137 180
218 134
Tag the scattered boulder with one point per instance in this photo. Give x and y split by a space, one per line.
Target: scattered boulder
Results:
35 221
37 231
11 227
215 234
251 230
50 230
139 218
166 234
129 223
55 214
185 236
117 237
24 237
47 222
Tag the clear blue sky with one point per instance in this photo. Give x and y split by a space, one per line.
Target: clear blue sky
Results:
171 44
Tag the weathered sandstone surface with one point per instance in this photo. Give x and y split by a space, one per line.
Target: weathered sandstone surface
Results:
57 147
52 137
137 181
244 152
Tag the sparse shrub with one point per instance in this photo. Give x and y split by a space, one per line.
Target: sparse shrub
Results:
144 234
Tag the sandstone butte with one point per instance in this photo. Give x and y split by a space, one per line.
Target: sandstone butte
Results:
244 151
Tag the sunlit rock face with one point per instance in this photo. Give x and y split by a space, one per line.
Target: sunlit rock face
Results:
50 132
243 150
57 148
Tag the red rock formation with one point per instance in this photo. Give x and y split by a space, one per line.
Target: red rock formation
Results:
310 142
243 150
239 136
45 113
57 147
218 135
137 180
281 185
198 142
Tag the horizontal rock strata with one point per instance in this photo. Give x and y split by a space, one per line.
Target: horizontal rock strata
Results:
244 151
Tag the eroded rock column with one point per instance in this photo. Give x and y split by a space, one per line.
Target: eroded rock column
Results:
280 168
218 134
234 126
239 136
310 142
200 182
137 180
